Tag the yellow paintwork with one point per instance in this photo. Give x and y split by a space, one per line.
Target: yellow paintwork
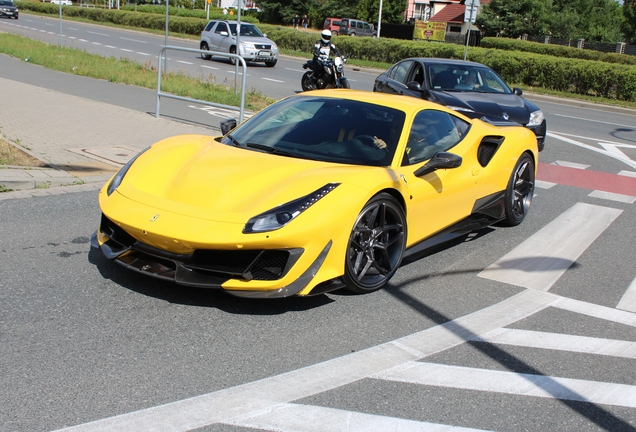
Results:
191 192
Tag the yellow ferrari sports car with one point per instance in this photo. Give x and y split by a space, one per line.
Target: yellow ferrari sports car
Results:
320 191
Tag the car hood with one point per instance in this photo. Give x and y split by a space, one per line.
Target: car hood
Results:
197 176
11 8
256 40
491 105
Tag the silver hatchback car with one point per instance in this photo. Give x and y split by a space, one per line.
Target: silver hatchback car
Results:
220 36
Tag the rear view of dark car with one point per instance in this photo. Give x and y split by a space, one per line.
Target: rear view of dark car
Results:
471 88
8 9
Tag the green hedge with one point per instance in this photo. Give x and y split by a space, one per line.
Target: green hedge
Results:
555 50
595 76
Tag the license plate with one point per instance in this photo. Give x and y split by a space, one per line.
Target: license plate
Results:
265 53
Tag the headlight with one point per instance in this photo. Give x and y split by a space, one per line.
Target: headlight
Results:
248 45
460 109
116 181
536 118
280 216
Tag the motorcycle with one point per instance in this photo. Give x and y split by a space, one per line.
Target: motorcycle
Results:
333 76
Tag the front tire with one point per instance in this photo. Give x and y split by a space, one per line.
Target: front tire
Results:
519 191
232 59
204 46
345 84
308 82
271 63
376 245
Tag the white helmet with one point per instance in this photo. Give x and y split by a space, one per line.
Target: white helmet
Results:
325 35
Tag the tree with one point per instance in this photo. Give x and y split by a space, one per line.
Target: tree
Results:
629 25
513 18
392 11
283 11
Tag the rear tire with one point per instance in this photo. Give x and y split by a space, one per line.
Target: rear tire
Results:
232 59
376 245
308 82
519 191
204 46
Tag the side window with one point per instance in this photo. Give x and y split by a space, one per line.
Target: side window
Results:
367 26
400 71
432 132
209 26
359 25
220 28
417 74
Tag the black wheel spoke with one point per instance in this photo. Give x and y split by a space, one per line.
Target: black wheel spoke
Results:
376 245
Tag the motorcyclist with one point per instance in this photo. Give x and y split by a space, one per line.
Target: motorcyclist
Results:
322 50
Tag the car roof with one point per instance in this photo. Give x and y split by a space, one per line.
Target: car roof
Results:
429 60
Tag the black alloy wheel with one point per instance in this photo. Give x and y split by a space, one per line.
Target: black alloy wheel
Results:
376 245
519 191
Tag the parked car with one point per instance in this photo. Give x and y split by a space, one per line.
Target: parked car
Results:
64 2
332 24
322 190
220 36
446 82
354 27
8 9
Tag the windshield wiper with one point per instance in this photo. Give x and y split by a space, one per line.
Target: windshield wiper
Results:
272 150
231 138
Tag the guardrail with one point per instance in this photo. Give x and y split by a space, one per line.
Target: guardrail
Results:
238 59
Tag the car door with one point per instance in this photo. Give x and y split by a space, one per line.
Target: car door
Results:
445 196
394 80
220 37
367 29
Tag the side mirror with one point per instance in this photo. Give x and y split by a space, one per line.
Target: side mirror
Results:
224 33
517 91
415 86
441 160
227 125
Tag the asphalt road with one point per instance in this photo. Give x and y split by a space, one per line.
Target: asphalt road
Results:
547 344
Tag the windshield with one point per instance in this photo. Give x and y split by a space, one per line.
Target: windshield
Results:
6 3
324 129
246 30
466 78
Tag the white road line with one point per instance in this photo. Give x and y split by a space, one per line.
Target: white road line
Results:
570 164
467 378
544 184
100 34
612 151
223 405
143 53
96 43
209 67
132 40
613 196
307 418
127 50
628 301
627 173
596 121
562 342
596 311
539 262
110 46
274 80
184 62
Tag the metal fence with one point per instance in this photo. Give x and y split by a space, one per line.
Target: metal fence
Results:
163 62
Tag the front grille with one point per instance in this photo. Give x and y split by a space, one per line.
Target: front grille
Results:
262 46
204 264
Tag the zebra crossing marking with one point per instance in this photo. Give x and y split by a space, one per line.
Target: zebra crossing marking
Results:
539 262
